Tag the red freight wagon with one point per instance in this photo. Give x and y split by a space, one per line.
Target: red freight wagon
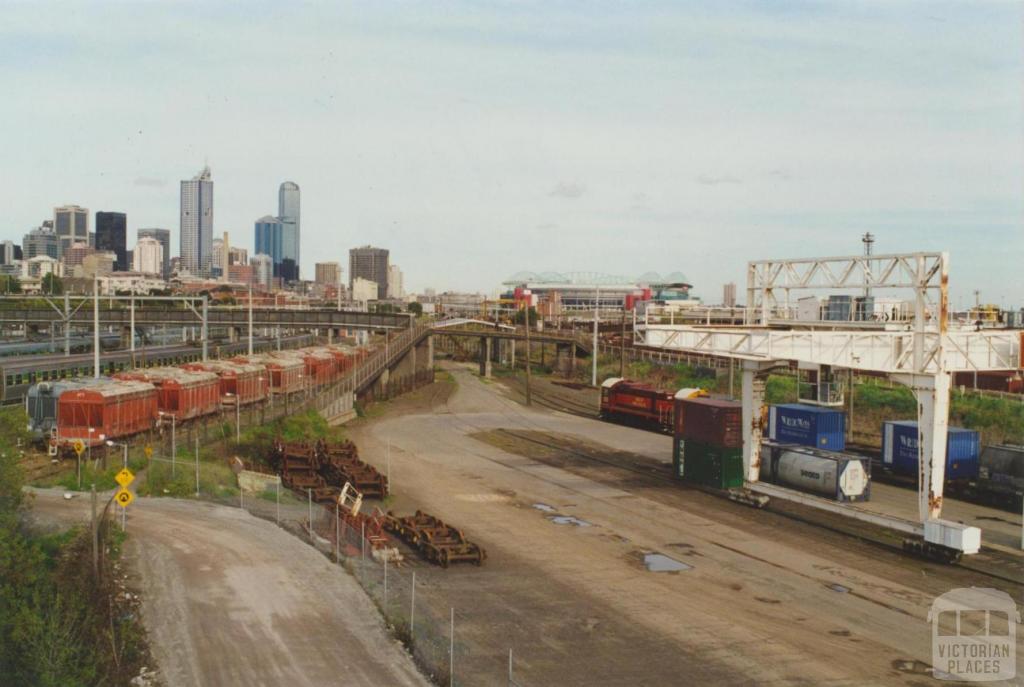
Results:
625 401
1009 381
709 420
318 366
112 410
285 373
328 366
243 383
345 356
184 394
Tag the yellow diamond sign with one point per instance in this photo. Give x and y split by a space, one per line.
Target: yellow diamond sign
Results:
123 497
148 451
79 446
124 478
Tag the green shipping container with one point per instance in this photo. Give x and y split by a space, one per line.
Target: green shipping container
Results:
707 464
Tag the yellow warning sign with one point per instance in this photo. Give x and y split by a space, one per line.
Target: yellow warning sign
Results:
123 497
79 446
125 477
148 451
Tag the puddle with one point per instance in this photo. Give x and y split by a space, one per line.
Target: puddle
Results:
544 507
659 562
838 588
569 520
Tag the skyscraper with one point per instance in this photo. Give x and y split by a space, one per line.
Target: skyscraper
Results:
262 270
148 256
288 211
395 288
328 273
369 263
71 223
269 241
197 223
164 237
40 241
111 235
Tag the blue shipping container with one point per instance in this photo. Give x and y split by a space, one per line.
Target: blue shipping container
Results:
899 450
796 423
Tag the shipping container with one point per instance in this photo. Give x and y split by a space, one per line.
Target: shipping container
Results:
183 394
1002 468
900 449
838 476
709 420
112 410
707 464
799 423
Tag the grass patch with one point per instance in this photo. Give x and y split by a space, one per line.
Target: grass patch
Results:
92 473
215 479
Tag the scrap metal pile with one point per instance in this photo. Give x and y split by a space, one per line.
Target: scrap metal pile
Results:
324 468
436 541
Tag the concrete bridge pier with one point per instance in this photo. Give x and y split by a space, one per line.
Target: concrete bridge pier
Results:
485 356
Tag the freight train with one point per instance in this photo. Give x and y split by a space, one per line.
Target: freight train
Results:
19 373
637 404
134 401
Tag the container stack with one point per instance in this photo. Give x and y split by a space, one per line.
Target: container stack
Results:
707 445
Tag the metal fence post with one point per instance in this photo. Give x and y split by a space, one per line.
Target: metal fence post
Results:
362 542
385 587
337 533
412 608
278 500
309 501
451 651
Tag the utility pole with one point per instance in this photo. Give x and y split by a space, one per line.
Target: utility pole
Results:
528 399
622 344
869 245
250 319
67 324
593 353
96 326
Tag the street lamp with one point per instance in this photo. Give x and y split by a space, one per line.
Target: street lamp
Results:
174 445
111 442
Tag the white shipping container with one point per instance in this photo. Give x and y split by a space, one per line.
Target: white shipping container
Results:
953 535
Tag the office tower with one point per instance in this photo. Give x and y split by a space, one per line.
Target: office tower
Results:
71 223
148 256
111 235
288 211
217 258
197 223
328 273
164 237
729 295
395 288
269 241
369 263
7 252
40 241
262 266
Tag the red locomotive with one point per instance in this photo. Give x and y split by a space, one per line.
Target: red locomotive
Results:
636 403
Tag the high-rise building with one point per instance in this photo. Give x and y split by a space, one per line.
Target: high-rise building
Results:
112 235
148 256
369 263
197 223
40 241
364 289
217 258
328 273
395 287
164 237
269 240
288 211
7 252
262 270
71 223
76 254
729 295
238 256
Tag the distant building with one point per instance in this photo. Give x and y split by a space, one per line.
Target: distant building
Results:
129 282
148 257
175 264
71 223
371 264
74 255
262 270
197 223
729 295
395 287
164 237
42 265
288 211
269 241
111 234
328 273
7 252
97 263
238 256
217 259
240 274
364 290
41 241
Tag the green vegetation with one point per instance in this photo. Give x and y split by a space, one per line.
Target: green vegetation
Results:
52 285
9 284
92 473
305 426
416 308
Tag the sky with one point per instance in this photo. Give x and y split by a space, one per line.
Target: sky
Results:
476 140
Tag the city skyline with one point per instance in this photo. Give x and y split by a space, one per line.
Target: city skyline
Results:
609 129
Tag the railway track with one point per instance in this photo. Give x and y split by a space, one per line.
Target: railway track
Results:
663 476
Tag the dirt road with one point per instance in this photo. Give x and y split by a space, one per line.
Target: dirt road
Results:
765 600
232 600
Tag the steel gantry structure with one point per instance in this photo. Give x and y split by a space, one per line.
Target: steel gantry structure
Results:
921 354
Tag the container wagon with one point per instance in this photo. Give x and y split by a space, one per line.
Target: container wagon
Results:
634 403
284 374
807 425
900 448
1002 469
831 474
113 410
183 394
241 383
41 403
